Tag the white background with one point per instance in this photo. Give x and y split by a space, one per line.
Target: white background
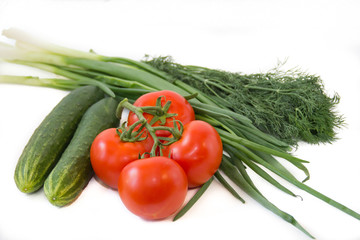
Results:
320 37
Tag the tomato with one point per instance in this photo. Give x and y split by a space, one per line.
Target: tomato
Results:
199 152
109 155
179 105
153 188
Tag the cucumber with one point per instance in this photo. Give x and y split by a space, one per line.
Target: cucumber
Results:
73 171
50 139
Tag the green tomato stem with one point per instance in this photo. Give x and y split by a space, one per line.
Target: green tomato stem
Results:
176 132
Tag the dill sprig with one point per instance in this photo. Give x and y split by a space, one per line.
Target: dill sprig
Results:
290 105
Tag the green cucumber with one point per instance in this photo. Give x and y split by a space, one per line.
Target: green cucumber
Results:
50 139
73 171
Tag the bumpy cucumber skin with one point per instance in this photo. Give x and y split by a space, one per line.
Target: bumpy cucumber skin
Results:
50 139
73 171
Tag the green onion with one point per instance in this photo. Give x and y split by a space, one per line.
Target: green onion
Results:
194 199
222 180
232 172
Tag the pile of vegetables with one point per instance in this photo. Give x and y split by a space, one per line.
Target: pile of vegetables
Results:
250 122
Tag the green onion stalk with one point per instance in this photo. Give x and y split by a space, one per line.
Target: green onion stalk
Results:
246 147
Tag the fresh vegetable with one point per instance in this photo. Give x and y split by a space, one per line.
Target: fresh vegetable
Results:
248 146
199 152
153 188
244 182
193 200
150 191
291 105
109 154
50 139
166 107
73 171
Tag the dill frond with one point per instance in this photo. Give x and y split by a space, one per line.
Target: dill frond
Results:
291 105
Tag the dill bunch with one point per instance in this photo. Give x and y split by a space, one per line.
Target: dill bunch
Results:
290 105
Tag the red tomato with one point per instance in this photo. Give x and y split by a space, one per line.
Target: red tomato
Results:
109 155
199 152
179 105
153 188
